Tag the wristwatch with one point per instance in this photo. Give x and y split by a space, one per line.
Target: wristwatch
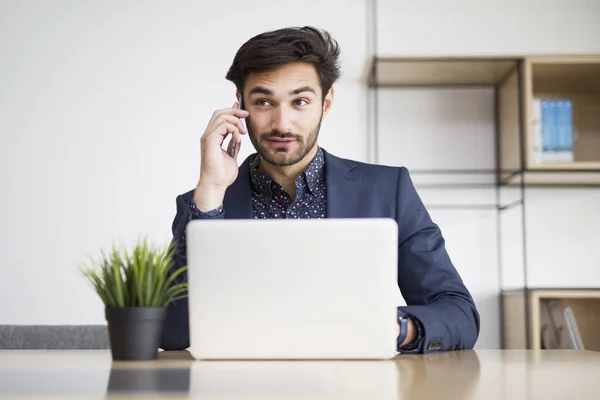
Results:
403 321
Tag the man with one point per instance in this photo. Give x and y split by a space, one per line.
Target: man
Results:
284 80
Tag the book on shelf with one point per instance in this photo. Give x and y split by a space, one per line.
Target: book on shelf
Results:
559 326
553 133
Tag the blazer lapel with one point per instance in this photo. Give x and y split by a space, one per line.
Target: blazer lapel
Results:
344 187
238 197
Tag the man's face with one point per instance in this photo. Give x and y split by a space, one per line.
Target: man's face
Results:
286 108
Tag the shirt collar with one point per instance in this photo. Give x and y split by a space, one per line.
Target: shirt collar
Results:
313 175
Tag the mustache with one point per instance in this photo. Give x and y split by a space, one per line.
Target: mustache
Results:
280 135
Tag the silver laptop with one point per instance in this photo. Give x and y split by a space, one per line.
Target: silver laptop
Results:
293 289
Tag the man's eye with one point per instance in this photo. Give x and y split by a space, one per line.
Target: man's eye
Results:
301 102
262 102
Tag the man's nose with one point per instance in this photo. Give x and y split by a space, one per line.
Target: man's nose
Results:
282 119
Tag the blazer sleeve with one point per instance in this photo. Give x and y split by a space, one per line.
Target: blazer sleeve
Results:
175 335
434 292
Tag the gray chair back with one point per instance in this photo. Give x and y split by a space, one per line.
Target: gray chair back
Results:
53 337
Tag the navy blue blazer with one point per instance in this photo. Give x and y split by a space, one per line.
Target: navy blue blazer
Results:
432 288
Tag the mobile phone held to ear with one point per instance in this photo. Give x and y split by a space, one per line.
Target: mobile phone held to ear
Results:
234 144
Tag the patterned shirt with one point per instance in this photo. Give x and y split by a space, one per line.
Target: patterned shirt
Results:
270 200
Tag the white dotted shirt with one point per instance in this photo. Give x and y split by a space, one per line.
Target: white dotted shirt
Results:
269 200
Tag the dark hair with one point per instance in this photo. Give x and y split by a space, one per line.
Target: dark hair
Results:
274 49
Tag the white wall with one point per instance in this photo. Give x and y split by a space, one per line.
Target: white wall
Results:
102 105
563 236
488 27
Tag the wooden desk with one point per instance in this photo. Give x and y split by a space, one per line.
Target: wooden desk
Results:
491 374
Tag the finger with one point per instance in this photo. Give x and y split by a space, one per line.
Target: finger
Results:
237 112
236 138
219 134
216 115
234 120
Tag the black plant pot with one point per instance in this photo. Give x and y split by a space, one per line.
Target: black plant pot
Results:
135 332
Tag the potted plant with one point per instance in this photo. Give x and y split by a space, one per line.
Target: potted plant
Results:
136 289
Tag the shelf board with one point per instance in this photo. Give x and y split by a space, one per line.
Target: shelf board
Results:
428 71
556 293
566 294
554 178
592 166
570 78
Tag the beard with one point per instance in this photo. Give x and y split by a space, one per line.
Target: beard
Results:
283 157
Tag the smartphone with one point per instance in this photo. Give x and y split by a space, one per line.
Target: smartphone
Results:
234 144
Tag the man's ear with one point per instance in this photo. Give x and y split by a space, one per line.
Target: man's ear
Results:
328 101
